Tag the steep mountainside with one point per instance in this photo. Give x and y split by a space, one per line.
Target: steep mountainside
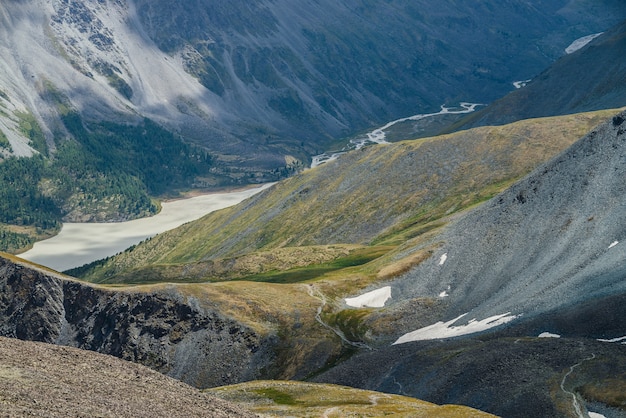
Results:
255 82
380 195
574 83
163 329
549 241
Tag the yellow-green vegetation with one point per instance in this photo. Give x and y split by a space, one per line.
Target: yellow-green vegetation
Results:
380 195
282 265
611 392
282 399
29 128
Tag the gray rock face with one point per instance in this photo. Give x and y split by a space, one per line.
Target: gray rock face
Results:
162 330
554 239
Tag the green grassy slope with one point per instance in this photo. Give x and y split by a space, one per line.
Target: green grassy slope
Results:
282 398
379 196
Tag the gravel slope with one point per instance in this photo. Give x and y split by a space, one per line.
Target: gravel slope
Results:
45 380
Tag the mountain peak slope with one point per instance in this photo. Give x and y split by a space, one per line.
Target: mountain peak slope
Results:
377 195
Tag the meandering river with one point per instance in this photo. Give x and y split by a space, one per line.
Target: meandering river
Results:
378 136
82 243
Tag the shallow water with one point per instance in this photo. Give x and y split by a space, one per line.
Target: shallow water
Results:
81 243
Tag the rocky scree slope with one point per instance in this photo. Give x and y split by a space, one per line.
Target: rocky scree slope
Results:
550 240
44 380
548 252
256 83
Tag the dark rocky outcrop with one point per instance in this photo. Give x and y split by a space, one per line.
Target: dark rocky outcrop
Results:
161 329
509 377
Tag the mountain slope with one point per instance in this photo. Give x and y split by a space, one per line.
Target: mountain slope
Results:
379 195
539 244
545 255
254 83
45 380
574 83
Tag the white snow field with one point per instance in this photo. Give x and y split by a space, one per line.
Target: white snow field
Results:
549 335
81 243
441 330
374 299
581 42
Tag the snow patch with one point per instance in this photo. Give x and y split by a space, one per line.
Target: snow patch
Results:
613 244
521 83
443 259
442 330
549 335
374 299
596 415
614 340
445 294
581 42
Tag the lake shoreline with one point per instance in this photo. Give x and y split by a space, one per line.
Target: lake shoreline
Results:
78 244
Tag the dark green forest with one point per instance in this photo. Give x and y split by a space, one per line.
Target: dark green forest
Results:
105 171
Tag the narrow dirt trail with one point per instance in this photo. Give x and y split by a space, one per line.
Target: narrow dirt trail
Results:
316 293
575 403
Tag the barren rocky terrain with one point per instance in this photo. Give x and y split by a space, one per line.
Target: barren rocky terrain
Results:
43 380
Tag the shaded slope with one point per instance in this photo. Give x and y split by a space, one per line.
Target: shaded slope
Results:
509 377
381 195
574 83
256 82
50 381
